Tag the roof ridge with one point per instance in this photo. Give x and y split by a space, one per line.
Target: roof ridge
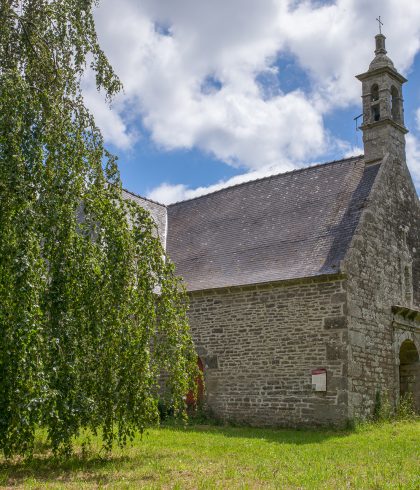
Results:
145 198
296 170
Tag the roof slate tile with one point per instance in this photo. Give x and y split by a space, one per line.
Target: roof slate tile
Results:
288 226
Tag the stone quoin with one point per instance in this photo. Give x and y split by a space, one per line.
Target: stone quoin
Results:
304 287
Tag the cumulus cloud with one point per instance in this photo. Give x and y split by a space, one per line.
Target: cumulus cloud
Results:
413 157
353 151
167 193
331 42
166 51
113 127
192 72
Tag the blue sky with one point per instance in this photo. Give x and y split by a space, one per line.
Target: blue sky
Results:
219 92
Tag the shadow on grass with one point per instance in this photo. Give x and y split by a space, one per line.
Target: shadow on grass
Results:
279 435
94 469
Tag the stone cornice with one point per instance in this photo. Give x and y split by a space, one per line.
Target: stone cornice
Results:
379 71
406 317
384 122
322 278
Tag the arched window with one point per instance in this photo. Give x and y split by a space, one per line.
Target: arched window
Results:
374 92
395 104
376 114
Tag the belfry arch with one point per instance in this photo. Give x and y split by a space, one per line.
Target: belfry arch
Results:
376 114
409 372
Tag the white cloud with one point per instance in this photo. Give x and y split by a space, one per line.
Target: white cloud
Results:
353 151
418 119
165 51
163 77
335 42
111 122
169 193
413 158
226 124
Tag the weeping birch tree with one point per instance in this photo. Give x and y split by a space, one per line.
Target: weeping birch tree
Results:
91 312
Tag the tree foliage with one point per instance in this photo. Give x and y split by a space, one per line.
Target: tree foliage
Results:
91 312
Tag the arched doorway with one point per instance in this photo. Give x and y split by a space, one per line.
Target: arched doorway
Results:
192 401
410 372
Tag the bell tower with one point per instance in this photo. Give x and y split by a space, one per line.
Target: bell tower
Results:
383 111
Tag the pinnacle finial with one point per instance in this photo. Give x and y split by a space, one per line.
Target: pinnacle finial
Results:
380 44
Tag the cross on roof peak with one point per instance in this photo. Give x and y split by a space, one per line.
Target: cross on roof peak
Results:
380 24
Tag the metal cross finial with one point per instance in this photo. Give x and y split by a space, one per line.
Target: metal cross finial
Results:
380 24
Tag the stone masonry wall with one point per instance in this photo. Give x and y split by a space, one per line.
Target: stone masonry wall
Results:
383 267
259 344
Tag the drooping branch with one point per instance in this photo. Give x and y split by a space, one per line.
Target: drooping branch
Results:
79 313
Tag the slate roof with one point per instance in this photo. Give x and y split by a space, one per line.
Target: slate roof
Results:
292 225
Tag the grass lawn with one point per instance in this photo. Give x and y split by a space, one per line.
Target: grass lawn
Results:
375 456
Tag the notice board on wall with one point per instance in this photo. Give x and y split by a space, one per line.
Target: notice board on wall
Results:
319 379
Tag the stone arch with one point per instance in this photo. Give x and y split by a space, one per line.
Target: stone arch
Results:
409 371
374 91
374 96
395 104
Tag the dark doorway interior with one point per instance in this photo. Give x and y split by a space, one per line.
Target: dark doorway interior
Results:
410 372
195 399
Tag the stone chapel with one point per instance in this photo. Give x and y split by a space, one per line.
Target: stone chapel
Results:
304 287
